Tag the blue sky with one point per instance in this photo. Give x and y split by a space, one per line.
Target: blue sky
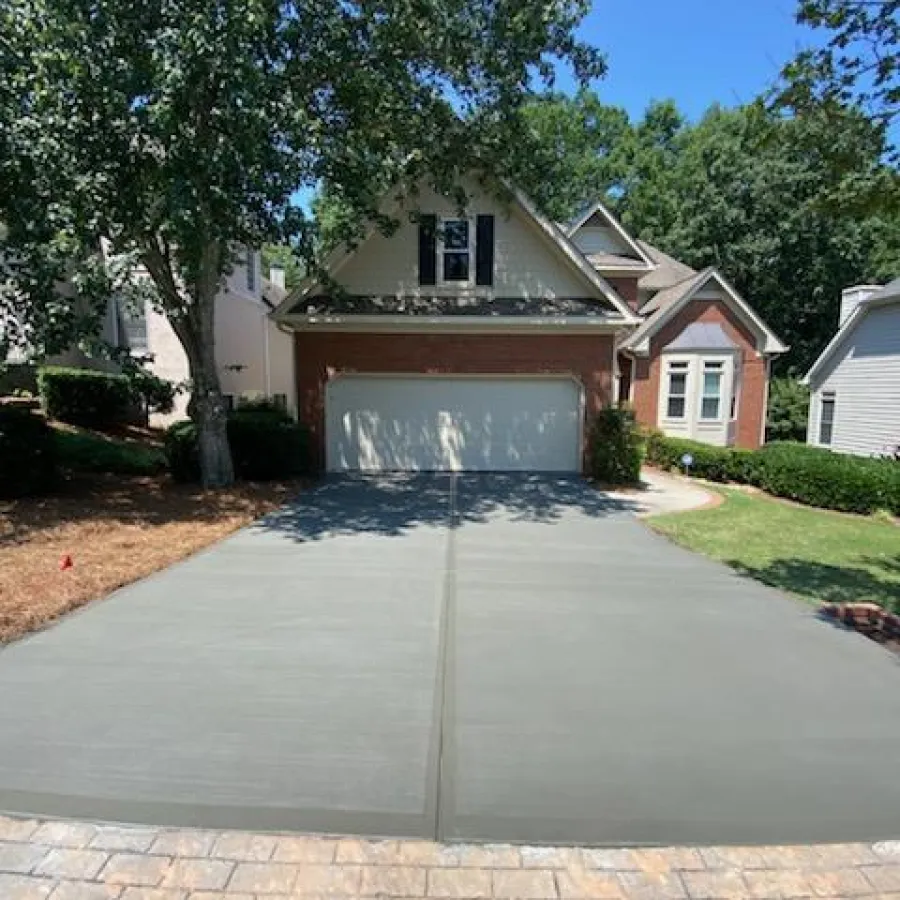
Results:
697 52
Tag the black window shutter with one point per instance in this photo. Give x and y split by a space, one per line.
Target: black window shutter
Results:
427 249
484 250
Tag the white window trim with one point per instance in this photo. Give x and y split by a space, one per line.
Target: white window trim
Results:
682 367
826 397
440 280
720 367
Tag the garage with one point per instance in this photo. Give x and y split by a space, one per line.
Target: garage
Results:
380 423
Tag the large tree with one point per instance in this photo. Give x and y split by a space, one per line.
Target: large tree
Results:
175 134
791 207
781 206
858 62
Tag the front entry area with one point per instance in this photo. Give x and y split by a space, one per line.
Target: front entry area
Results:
423 423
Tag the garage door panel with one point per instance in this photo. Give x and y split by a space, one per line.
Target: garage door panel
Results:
453 424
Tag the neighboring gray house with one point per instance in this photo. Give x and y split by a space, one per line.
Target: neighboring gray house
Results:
855 383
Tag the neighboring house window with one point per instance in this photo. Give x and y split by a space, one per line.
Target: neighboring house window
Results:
251 271
455 250
131 330
711 399
826 419
677 394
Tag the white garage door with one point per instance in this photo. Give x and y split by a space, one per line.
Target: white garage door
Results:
383 424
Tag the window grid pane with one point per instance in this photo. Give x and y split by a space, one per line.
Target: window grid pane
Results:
456 250
675 404
710 401
826 420
456 266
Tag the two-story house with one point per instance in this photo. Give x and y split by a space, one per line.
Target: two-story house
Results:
485 339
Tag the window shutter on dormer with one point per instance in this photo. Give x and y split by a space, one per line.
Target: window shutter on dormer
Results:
484 250
428 249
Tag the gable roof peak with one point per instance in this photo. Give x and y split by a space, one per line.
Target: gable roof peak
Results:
599 208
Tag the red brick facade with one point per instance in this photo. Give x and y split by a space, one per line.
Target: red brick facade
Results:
752 400
627 289
321 356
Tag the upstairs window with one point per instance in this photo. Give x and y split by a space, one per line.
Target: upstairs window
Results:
711 399
455 250
826 419
676 403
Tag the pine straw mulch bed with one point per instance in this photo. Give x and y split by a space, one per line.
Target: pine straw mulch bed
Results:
116 530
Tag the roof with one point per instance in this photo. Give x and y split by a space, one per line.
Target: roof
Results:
673 293
614 261
668 302
597 208
668 270
885 296
702 336
443 305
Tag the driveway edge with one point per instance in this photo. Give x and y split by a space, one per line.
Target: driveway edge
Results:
77 860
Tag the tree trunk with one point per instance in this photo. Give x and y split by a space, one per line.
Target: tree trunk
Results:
207 407
194 325
208 411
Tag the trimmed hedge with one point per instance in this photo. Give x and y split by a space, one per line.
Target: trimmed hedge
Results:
616 447
810 475
27 454
265 443
85 396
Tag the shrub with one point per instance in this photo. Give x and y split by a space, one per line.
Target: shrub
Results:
616 447
27 454
810 475
265 444
709 462
86 452
181 452
786 417
85 397
819 477
153 393
264 407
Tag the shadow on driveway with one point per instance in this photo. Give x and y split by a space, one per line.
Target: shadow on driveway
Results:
392 504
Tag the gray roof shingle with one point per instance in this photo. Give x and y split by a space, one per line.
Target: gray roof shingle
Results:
702 336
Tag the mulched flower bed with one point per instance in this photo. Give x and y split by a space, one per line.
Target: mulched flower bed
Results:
868 619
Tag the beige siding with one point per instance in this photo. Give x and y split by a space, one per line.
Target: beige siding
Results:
245 338
864 375
526 262
593 239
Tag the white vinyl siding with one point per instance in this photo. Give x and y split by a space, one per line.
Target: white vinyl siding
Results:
526 263
864 377
446 423
593 239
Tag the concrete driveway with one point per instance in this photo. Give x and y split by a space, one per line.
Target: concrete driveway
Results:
503 658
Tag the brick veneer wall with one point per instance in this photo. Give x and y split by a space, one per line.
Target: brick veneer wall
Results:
322 356
627 289
752 400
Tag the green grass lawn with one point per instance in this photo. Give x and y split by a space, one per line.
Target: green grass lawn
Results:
818 555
